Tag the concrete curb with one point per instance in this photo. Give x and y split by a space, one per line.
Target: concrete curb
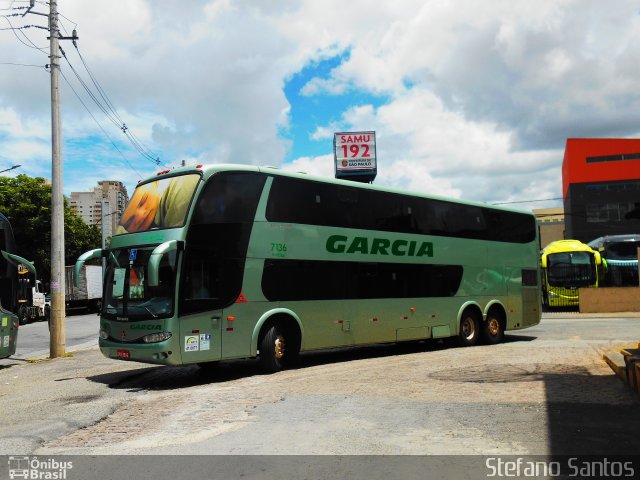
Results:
44 354
625 363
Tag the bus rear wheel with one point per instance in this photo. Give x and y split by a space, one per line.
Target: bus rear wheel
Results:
276 349
469 329
493 329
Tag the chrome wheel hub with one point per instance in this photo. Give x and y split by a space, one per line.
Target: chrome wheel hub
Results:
494 326
468 328
279 347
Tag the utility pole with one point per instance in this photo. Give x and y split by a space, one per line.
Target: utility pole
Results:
57 340
103 233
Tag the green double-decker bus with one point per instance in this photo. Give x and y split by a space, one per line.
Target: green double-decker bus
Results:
227 261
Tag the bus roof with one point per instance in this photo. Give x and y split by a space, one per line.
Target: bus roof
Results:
608 239
560 246
208 170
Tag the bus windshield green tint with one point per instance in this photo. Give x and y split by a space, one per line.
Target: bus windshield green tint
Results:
128 296
162 203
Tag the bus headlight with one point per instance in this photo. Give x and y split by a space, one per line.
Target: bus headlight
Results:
156 337
104 335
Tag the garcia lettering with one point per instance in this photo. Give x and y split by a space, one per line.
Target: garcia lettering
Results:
379 246
145 327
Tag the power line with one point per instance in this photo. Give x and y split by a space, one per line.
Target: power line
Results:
99 125
14 30
107 108
89 92
138 144
22 64
99 88
68 20
100 99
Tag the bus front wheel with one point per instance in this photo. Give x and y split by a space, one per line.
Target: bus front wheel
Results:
469 329
276 349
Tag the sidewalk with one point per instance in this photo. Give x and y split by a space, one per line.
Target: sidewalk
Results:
525 396
590 315
46 398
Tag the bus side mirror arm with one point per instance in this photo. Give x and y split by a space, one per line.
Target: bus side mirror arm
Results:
156 257
90 255
18 260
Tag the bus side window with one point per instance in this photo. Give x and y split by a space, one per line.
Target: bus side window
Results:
217 240
199 280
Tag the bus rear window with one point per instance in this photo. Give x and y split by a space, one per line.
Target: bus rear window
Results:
162 203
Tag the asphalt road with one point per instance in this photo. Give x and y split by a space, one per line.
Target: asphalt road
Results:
545 391
33 339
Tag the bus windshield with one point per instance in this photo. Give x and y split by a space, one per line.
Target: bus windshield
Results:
127 296
571 269
623 250
162 203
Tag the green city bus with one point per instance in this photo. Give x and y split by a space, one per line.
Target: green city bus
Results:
227 261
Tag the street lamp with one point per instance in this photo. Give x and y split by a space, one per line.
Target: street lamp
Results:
10 168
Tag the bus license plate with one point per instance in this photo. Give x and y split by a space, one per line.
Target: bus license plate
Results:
123 354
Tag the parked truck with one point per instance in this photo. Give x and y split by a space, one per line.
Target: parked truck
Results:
88 293
31 302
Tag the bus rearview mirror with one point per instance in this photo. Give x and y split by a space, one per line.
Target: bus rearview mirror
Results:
18 260
90 255
156 257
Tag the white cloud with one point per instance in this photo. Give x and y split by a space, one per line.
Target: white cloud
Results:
481 95
321 166
423 147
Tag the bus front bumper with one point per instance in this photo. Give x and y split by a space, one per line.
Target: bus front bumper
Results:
161 353
563 300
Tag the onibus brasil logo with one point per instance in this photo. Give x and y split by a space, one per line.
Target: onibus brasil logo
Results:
37 469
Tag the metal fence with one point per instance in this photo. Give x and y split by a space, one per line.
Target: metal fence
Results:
619 273
561 286
562 283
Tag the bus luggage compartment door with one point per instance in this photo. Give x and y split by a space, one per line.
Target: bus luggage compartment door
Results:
200 339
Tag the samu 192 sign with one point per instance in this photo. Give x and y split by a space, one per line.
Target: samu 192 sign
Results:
355 155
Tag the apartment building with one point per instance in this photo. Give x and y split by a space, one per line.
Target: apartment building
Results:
110 194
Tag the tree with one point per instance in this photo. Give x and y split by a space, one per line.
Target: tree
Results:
26 202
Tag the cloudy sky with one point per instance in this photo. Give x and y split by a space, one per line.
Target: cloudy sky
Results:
468 99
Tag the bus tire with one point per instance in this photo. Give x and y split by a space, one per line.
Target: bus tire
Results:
493 329
209 367
469 329
277 349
